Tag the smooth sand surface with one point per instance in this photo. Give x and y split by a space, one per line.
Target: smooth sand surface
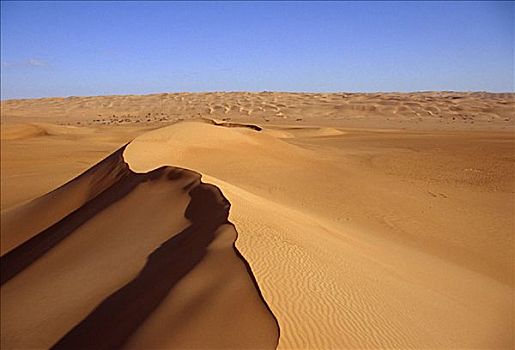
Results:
357 233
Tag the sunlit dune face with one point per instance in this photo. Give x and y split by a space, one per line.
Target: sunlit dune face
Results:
308 230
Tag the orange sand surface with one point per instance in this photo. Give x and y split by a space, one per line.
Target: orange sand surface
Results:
258 220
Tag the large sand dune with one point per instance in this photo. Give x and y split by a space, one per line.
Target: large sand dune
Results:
338 284
155 239
303 234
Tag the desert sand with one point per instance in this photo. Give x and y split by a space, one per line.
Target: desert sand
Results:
258 220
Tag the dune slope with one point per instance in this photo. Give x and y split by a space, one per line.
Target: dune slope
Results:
369 238
346 257
124 251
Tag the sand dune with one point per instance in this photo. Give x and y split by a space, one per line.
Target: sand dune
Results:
430 110
325 232
64 201
59 152
110 230
346 285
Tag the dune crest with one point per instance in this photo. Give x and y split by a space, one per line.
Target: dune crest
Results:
149 270
330 263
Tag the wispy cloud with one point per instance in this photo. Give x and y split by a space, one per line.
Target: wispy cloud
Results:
31 62
34 62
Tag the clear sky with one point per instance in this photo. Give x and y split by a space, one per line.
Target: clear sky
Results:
97 48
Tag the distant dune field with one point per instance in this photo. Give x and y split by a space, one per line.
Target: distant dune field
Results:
258 221
395 110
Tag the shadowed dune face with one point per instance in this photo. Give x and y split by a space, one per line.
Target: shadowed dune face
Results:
107 182
76 284
26 157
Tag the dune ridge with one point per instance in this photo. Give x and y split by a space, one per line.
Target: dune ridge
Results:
115 321
64 200
339 283
15 260
130 305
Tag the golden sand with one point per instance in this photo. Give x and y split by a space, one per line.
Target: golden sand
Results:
359 221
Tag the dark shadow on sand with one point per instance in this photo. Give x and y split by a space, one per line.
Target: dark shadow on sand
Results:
111 323
19 258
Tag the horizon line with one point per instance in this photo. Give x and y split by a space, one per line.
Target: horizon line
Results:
266 91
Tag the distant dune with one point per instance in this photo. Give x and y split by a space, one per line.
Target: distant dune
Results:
413 110
258 220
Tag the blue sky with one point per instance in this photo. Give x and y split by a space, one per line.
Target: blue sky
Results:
98 48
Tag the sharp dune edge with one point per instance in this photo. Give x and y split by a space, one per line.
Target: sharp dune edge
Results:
336 237
107 303
329 285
